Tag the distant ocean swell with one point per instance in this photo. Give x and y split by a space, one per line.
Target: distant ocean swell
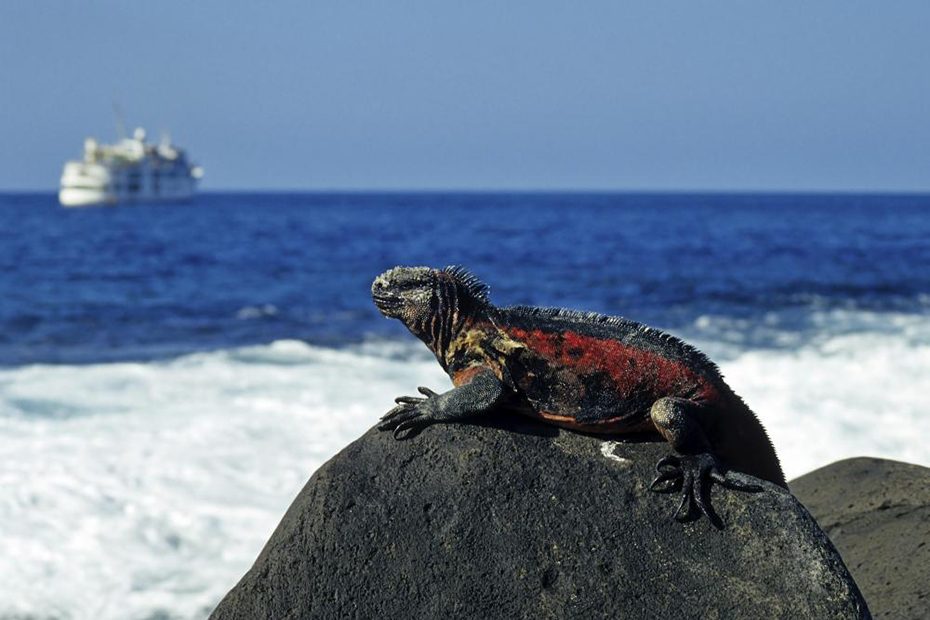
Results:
144 490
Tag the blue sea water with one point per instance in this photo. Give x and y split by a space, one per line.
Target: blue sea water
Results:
88 285
170 375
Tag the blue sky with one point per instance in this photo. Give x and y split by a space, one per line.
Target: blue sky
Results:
480 95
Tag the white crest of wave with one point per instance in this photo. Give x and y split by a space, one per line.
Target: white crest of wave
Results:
131 490
861 392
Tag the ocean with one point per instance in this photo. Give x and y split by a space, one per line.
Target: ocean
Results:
171 375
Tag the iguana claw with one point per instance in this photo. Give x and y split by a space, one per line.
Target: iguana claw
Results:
691 473
409 415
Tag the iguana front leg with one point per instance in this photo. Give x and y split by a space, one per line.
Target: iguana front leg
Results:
413 413
680 421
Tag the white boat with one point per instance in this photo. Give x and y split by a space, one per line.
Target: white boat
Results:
129 171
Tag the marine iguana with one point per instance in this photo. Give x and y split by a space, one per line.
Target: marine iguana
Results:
582 371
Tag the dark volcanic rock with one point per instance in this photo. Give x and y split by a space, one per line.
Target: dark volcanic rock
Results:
877 513
521 520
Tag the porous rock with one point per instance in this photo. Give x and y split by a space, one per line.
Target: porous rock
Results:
877 513
513 519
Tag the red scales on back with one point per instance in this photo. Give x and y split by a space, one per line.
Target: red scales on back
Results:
632 377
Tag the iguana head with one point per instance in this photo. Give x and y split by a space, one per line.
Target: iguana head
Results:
432 303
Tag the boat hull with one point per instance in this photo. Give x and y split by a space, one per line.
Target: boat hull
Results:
87 197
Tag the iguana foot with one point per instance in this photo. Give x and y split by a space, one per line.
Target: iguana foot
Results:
691 474
411 414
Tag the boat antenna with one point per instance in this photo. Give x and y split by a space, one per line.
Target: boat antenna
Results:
120 125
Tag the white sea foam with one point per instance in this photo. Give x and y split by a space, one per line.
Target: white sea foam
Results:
134 489
850 392
146 490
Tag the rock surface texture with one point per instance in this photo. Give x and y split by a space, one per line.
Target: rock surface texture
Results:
877 513
519 520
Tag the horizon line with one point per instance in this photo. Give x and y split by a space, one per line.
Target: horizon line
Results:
530 190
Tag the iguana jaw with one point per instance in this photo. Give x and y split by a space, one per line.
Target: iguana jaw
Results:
389 306
403 292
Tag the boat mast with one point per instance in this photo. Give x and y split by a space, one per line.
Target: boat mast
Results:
120 125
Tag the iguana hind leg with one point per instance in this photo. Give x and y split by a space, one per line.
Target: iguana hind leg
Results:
681 422
413 413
